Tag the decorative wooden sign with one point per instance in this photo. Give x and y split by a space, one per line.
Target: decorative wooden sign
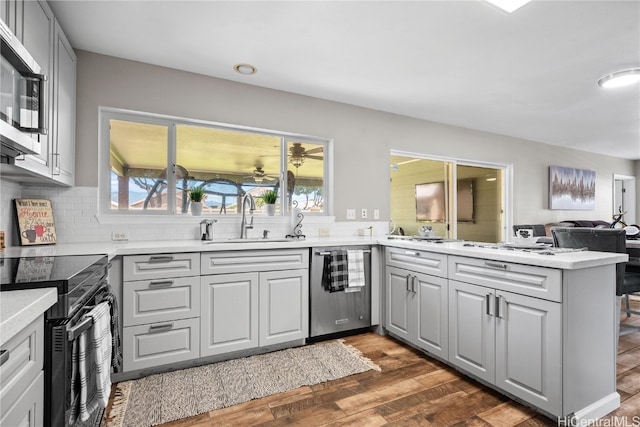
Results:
35 222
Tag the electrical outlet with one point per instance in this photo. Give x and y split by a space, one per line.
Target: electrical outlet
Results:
363 213
119 235
351 214
376 214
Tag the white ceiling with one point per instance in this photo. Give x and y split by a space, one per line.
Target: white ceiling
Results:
529 75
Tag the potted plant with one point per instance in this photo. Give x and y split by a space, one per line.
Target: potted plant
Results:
196 195
269 198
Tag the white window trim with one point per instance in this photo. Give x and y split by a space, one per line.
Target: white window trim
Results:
107 216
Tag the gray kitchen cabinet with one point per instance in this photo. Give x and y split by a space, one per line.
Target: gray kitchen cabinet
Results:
63 127
12 14
284 306
266 304
161 309
39 24
46 42
417 308
22 377
512 340
229 307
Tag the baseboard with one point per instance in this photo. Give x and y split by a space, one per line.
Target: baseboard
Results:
596 410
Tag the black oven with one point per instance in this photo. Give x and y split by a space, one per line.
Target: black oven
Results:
81 282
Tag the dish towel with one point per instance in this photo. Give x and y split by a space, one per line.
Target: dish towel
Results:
91 366
335 271
355 261
116 339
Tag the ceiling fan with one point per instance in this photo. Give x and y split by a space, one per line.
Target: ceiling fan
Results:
259 176
298 154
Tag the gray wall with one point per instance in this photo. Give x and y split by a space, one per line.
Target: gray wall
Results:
363 137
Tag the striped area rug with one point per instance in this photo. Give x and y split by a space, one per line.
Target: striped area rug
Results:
161 398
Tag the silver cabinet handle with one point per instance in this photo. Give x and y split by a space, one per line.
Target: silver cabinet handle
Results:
498 301
407 282
161 258
154 329
4 356
412 253
413 284
487 301
498 265
161 284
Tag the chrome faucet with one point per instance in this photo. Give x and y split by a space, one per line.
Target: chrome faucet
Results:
244 226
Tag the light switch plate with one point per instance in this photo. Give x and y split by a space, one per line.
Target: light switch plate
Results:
376 214
351 214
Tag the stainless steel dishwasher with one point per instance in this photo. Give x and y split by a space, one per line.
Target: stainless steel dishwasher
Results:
333 312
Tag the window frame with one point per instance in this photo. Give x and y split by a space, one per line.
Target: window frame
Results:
106 114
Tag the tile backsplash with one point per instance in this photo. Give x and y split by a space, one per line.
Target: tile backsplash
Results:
75 215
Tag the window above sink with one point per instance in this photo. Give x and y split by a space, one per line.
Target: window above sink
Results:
153 162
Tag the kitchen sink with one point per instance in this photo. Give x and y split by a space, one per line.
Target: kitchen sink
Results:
246 240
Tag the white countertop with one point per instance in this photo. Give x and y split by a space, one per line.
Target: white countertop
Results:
19 308
565 261
574 260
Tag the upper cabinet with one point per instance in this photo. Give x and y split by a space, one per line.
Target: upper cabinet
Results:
43 37
11 13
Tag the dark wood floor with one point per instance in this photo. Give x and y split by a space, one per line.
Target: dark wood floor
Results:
411 390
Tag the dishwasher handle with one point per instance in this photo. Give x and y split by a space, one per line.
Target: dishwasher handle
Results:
325 253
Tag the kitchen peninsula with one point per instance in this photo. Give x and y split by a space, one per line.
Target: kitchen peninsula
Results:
541 329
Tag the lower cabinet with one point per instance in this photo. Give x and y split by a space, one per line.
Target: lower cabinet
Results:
284 306
510 340
247 310
178 307
229 307
160 309
417 309
22 377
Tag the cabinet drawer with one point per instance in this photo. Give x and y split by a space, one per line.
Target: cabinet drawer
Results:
160 266
419 261
146 346
539 282
22 362
245 261
149 301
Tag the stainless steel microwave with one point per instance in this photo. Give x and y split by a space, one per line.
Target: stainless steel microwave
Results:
22 98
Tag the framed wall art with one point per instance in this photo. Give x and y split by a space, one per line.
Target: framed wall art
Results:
35 222
572 189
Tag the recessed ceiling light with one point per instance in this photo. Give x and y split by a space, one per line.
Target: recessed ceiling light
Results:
620 78
246 69
508 6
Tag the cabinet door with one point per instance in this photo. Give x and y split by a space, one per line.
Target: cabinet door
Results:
284 306
11 13
399 300
528 349
38 39
64 109
228 313
29 407
432 311
472 329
